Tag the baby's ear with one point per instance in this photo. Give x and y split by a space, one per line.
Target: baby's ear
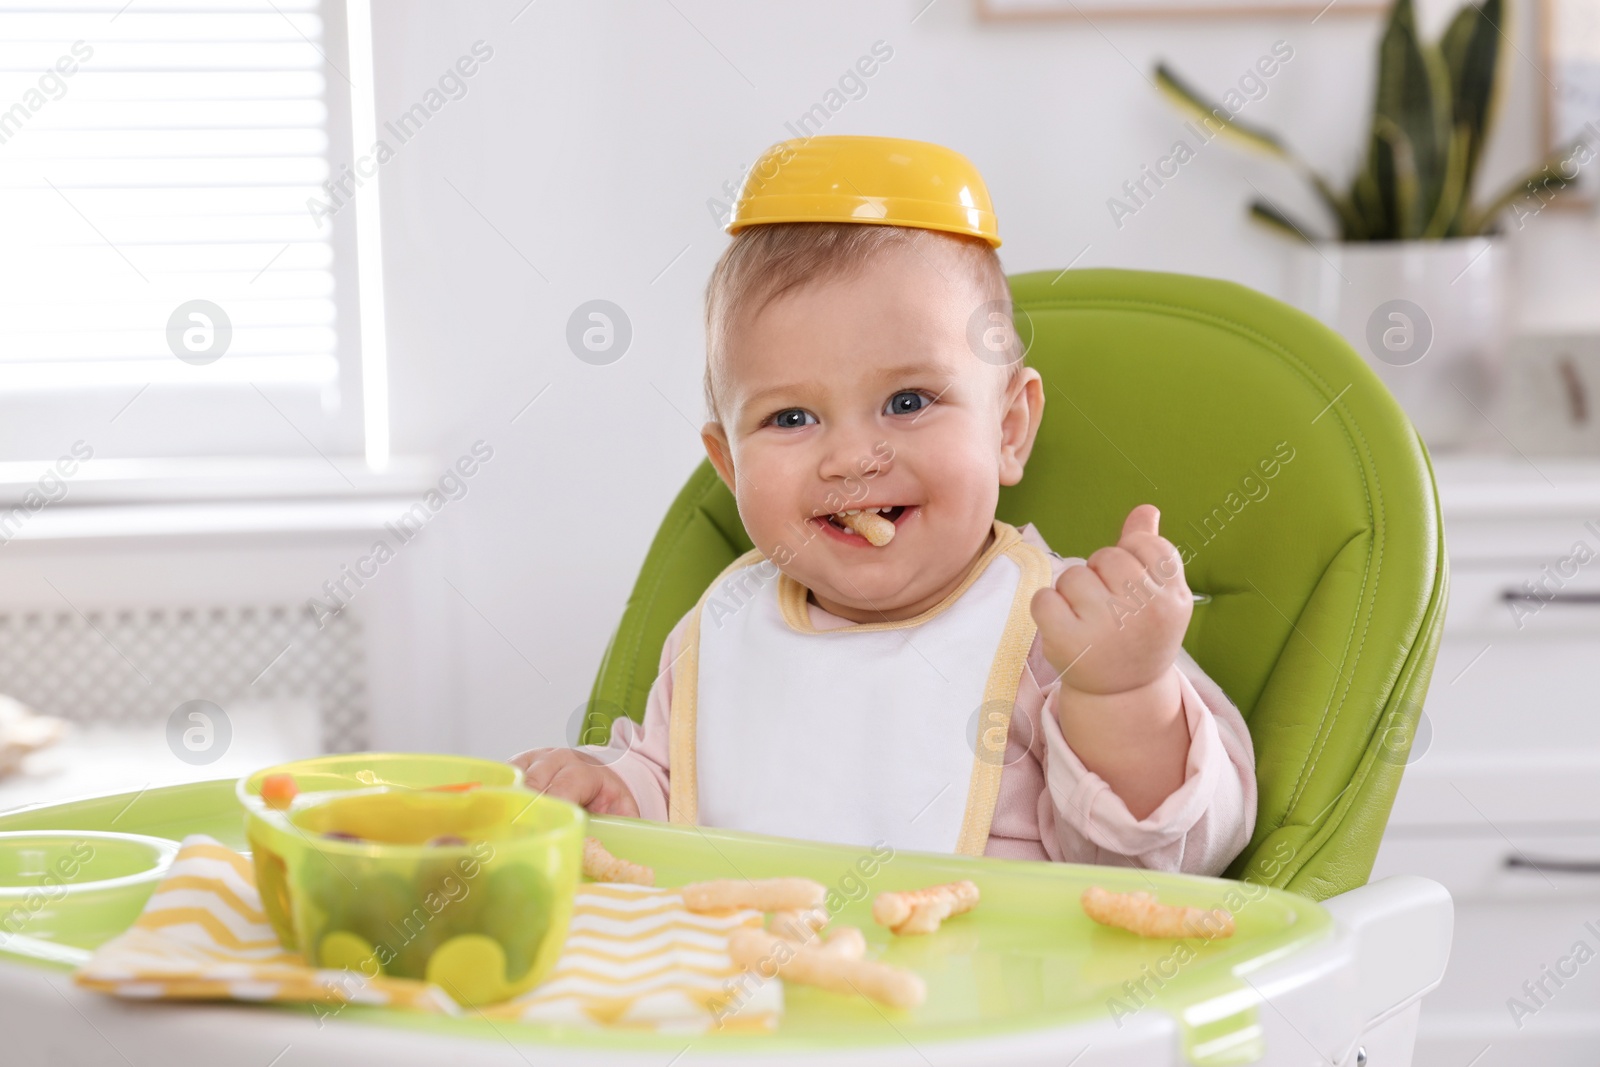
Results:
1019 423
715 439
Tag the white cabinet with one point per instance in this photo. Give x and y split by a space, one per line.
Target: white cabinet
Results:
1501 801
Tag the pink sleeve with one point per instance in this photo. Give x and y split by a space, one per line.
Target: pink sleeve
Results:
638 753
1198 829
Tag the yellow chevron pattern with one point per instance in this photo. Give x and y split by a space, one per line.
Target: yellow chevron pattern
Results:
634 957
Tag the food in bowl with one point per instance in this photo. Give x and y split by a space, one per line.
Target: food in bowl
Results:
269 794
484 918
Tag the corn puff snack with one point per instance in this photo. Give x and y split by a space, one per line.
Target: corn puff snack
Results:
798 924
846 941
869 524
920 911
1142 914
762 894
601 866
802 928
760 951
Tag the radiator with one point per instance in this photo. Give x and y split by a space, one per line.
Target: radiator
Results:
135 666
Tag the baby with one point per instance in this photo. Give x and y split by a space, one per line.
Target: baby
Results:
891 664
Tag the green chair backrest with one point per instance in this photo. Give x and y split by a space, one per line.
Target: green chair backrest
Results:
1296 489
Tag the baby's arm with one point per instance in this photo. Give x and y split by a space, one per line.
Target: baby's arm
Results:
1137 740
1198 828
633 762
1112 626
1140 766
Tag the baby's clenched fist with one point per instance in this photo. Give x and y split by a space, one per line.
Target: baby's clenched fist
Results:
1116 623
578 777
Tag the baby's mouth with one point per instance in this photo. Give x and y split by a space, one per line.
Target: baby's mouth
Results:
875 526
892 514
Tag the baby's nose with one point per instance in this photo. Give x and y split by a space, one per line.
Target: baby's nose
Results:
857 456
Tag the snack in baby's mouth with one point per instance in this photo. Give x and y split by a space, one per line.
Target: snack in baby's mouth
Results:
760 951
762 894
1144 915
601 866
920 911
869 524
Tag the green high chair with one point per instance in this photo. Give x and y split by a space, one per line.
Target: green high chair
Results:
1291 481
1305 505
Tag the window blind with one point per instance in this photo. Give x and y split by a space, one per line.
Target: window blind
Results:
154 155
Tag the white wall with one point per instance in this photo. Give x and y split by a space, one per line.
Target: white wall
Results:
584 153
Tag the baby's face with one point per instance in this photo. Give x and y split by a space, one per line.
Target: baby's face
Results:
865 393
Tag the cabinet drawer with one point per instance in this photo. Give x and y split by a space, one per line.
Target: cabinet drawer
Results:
1518 983
1519 991
1516 672
1482 865
1551 595
1506 787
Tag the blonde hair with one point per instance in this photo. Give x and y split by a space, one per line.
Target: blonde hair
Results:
764 262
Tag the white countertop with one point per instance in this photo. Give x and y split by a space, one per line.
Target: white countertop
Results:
102 759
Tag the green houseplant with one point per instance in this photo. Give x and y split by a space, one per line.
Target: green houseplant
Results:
1410 263
1432 113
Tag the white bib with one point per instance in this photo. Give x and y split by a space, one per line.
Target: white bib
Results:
857 735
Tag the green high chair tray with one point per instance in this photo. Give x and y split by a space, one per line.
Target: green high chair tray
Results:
1026 962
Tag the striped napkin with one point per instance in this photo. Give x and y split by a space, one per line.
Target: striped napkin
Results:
634 957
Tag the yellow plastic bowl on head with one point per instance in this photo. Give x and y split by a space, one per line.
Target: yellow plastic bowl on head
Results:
267 830
886 181
472 891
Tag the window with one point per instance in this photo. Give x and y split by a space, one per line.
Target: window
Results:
175 278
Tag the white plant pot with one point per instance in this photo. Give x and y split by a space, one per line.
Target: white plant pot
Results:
1428 316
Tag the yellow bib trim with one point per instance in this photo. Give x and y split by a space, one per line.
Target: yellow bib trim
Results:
1000 699
683 783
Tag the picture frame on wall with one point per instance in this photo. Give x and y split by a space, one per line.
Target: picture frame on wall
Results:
1570 58
1023 10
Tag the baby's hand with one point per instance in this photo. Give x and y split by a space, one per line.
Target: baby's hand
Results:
578 777
1117 622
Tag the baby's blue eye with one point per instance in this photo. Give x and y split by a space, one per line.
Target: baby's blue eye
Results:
907 403
793 418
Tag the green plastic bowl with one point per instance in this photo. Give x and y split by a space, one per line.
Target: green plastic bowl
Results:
77 887
483 915
267 831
